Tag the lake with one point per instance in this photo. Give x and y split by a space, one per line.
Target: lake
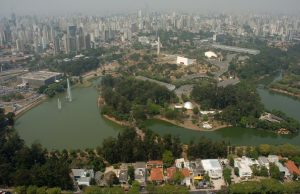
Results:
79 123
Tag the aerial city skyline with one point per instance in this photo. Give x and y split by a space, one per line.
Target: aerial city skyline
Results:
149 96
76 32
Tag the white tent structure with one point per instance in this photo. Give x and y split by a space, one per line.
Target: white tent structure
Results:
210 54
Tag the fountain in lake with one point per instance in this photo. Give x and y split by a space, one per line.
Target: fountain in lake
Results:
69 95
58 104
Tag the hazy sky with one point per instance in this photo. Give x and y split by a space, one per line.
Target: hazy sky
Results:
103 7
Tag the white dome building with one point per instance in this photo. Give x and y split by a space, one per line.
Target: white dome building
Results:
188 105
210 54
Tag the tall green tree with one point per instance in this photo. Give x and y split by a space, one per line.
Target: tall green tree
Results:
168 158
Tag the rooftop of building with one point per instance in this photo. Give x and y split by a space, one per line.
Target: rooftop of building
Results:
167 85
172 170
40 75
123 175
139 165
156 174
140 173
263 159
155 162
84 179
83 172
211 164
291 166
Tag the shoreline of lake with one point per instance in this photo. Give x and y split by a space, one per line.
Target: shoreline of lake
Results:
188 126
284 92
82 123
30 106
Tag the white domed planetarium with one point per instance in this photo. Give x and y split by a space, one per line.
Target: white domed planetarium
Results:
188 105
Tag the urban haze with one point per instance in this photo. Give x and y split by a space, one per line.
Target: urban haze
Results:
101 7
149 96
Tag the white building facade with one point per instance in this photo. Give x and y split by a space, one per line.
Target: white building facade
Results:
213 168
185 61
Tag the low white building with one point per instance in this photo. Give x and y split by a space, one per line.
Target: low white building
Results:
207 112
178 106
140 172
213 168
244 165
283 169
83 176
263 161
182 163
84 181
185 61
273 158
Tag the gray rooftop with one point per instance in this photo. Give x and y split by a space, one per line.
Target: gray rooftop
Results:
123 176
236 49
40 75
83 172
263 159
167 85
140 174
140 165
78 172
84 179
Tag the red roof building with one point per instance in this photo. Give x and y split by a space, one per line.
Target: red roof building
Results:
291 166
154 164
171 172
157 175
185 172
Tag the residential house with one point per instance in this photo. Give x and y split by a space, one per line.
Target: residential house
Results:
182 163
156 175
185 173
108 178
154 164
140 172
98 178
83 176
283 170
123 176
273 158
263 161
197 169
243 164
213 168
293 169
84 181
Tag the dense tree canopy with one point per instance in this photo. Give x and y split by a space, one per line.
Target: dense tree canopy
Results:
270 186
269 61
128 147
52 89
237 102
23 165
167 189
77 67
240 105
205 148
127 97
